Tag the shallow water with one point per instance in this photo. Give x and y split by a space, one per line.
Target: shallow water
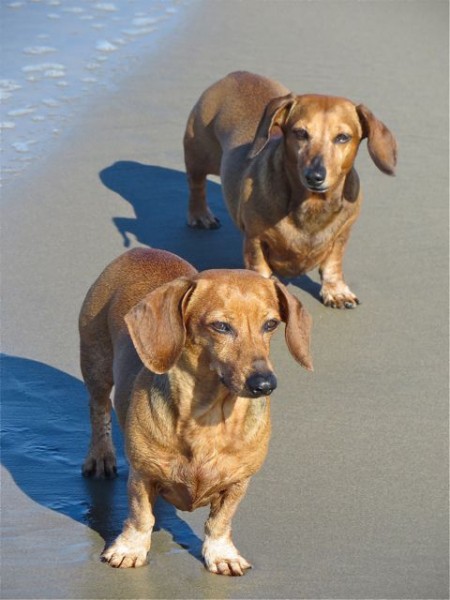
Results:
56 54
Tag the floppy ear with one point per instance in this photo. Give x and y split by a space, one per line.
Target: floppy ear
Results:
298 326
275 113
380 141
351 186
157 327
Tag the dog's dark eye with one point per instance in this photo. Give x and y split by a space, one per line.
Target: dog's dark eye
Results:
271 324
221 327
342 138
301 134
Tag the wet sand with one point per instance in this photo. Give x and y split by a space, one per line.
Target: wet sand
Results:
352 501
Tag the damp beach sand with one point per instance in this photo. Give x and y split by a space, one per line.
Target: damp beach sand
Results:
352 501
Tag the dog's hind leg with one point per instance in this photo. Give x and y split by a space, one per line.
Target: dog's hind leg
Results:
96 359
202 156
200 215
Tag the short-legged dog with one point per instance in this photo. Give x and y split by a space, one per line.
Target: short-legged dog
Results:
286 165
188 354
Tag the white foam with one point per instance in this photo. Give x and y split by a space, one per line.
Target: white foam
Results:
42 67
51 102
21 112
138 31
92 66
76 10
39 50
7 86
106 6
7 125
23 147
54 73
105 46
143 21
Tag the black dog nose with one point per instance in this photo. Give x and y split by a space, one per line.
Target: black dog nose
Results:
315 174
261 384
315 177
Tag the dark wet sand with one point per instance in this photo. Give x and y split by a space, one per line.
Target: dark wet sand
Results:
352 501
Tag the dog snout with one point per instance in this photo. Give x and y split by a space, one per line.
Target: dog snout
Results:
315 173
261 384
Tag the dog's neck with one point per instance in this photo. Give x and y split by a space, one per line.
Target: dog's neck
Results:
203 400
200 394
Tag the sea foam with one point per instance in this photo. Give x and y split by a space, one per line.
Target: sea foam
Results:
85 41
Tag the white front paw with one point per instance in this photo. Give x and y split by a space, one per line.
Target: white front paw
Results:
221 557
127 551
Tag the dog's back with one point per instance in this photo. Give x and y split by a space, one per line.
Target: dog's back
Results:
122 284
105 345
218 137
226 116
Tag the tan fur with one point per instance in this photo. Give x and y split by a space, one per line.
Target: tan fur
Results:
183 349
248 129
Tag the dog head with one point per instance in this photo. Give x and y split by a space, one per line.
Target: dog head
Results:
220 321
322 136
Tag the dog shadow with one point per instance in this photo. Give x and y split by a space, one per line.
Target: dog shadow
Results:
45 434
158 197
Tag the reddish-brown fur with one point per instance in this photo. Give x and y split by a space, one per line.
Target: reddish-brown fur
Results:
182 349
263 141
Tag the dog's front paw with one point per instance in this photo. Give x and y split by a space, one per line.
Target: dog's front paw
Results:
222 558
204 220
228 566
100 464
123 554
338 295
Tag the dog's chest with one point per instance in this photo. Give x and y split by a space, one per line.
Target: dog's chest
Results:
291 251
302 239
195 481
207 465
194 461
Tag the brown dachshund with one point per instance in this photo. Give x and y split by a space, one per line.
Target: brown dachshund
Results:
188 354
286 165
